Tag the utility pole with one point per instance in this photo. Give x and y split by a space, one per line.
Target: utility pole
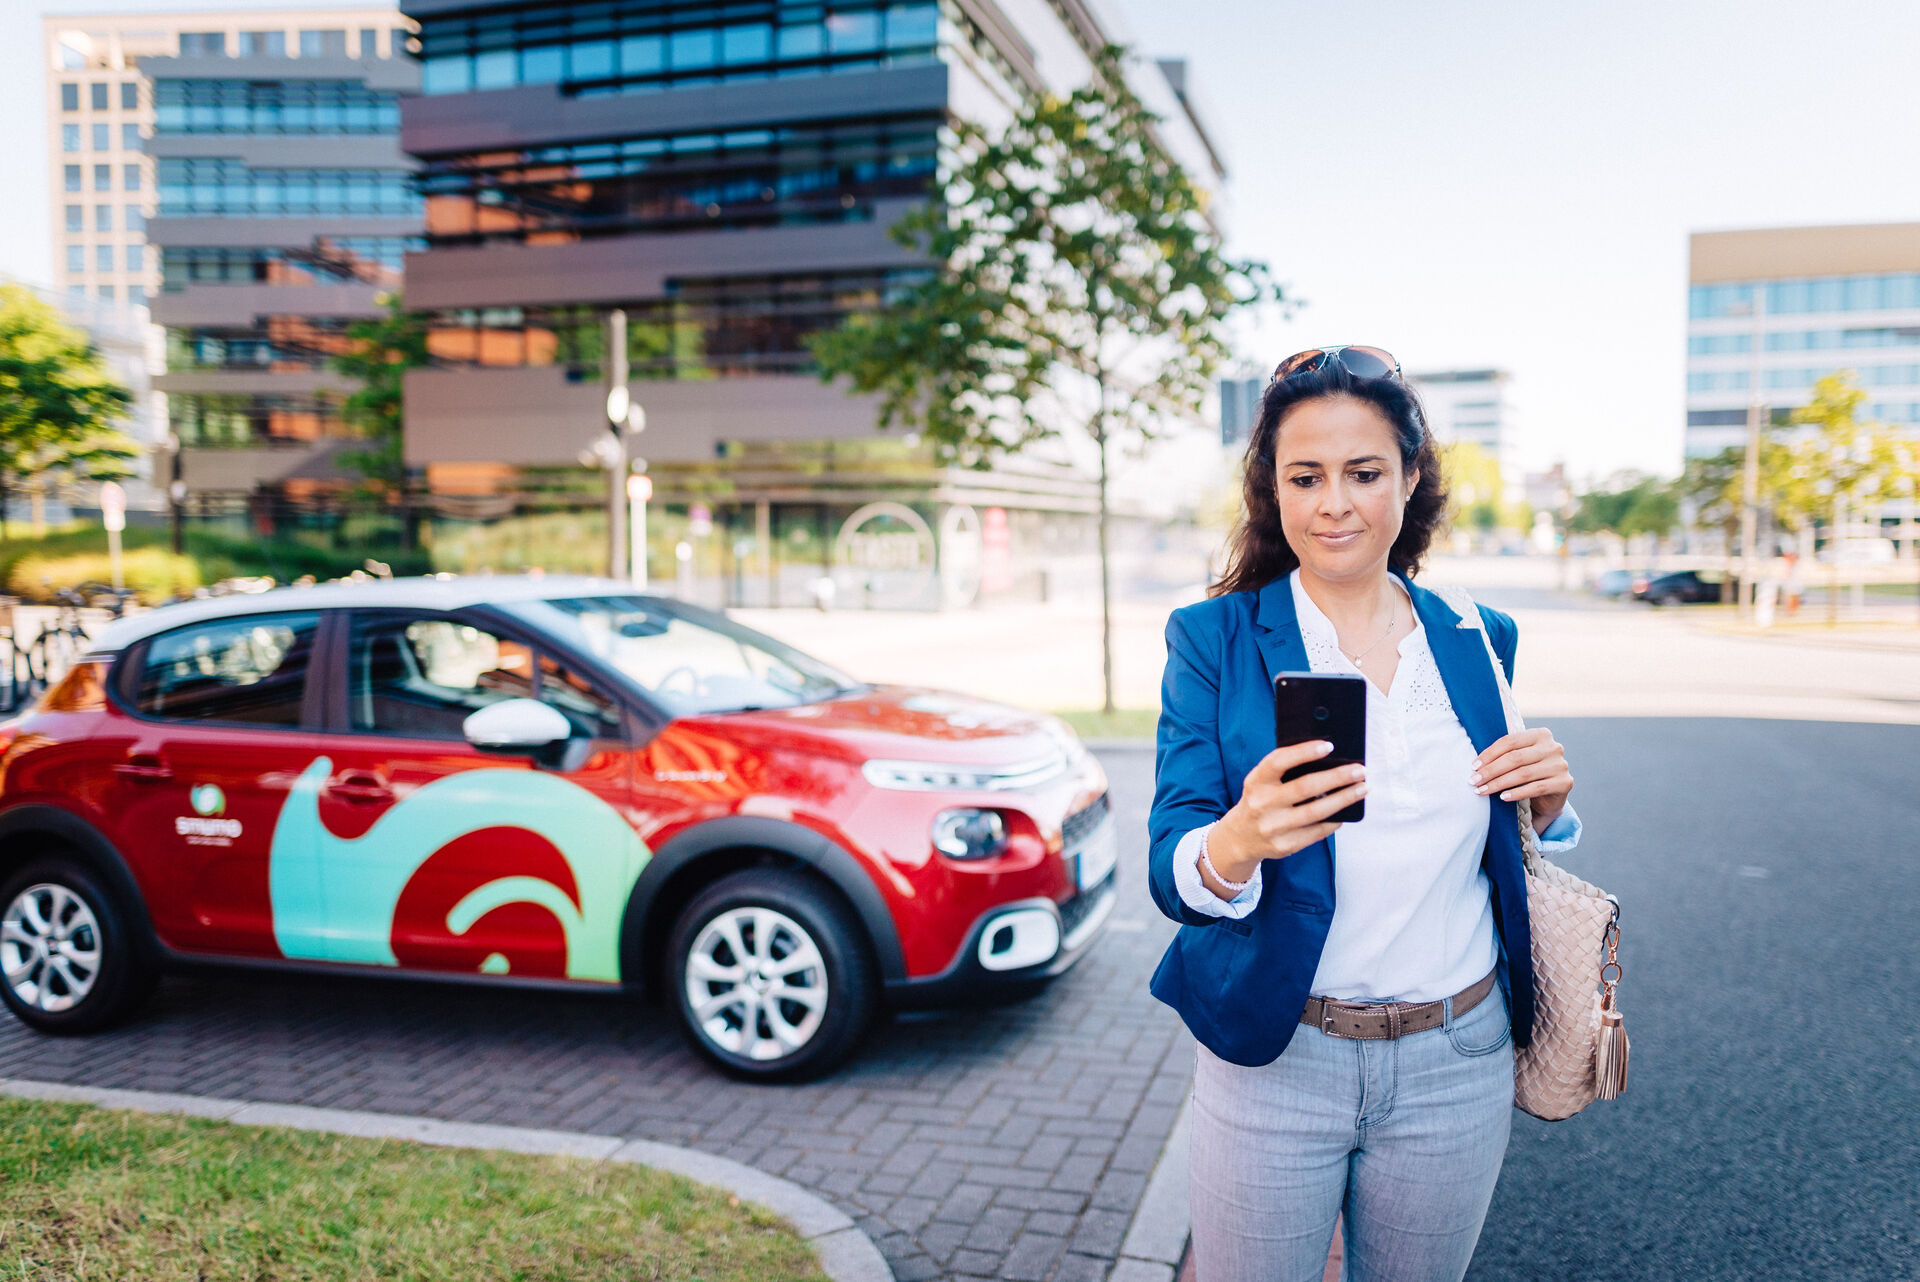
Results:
619 400
1750 483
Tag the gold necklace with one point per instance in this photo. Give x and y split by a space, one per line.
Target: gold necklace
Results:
1393 617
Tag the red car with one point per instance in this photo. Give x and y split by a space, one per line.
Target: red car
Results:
537 782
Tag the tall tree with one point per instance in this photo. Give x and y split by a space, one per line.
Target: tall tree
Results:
379 354
1076 274
57 400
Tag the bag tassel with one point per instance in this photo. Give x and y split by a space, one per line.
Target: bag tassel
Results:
1610 1058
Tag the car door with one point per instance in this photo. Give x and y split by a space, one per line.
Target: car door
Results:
429 853
222 720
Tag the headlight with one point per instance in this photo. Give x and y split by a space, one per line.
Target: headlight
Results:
969 834
933 776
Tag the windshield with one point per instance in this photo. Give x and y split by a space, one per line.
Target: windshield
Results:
689 659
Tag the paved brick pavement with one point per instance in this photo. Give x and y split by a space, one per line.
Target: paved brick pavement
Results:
1006 1143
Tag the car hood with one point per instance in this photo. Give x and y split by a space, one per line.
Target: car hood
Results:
917 723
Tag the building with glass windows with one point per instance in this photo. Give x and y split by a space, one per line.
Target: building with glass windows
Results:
283 207
1772 311
1475 406
727 175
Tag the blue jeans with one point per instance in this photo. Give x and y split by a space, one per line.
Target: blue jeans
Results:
1405 1137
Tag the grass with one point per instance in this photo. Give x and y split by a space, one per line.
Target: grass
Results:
1121 723
90 1193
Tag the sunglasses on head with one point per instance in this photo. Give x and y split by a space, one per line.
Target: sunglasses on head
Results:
1361 362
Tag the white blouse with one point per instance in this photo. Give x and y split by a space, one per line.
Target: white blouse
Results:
1413 910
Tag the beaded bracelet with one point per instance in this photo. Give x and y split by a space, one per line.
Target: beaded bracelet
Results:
1206 866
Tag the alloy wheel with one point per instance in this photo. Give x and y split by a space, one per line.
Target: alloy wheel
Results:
756 983
50 947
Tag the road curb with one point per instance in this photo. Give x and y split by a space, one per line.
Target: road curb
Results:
846 1253
1156 1241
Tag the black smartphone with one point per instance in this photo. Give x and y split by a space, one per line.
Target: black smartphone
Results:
1323 705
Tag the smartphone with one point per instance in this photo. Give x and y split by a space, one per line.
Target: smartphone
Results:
1323 705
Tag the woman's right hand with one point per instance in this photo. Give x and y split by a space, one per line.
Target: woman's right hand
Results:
1275 818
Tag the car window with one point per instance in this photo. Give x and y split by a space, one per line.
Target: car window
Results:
423 677
592 714
250 670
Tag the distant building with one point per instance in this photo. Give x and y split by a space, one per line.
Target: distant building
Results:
284 206
726 175
1791 305
1239 409
1475 406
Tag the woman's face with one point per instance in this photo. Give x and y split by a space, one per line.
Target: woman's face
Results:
1342 490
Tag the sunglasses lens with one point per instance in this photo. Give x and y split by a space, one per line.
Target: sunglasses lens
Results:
1368 362
1298 363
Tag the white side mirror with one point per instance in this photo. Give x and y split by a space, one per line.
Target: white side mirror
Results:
516 725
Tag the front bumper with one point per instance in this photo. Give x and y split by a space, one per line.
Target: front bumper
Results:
980 970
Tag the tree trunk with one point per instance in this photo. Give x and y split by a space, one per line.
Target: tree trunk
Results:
1106 568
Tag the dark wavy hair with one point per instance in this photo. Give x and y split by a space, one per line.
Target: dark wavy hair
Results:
1257 551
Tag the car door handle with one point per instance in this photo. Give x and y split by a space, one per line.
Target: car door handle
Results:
145 767
362 789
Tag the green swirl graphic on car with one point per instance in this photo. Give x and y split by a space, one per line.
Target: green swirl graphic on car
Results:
334 898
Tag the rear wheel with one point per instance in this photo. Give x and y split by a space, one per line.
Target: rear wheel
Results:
69 962
771 976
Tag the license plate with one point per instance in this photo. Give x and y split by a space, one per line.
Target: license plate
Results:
1098 854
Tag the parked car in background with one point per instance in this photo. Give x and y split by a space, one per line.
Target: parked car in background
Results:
545 783
1614 583
1681 587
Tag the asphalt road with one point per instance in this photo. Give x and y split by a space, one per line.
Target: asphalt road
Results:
1769 875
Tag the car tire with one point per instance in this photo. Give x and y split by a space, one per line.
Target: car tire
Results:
801 1020
70 961
1669 599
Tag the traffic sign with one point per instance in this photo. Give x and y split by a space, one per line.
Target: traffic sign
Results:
113 505
639 488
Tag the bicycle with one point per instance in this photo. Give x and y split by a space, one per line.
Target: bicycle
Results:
50 654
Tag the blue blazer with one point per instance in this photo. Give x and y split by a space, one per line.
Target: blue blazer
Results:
1240 985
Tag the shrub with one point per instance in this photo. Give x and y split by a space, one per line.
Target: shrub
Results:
154 573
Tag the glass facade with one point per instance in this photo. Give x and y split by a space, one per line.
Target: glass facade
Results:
282 344
652 44
233 422
273 107
720 328
231 188
374 260
1887 291
747 177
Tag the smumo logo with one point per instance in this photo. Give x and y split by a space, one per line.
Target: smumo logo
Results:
207 799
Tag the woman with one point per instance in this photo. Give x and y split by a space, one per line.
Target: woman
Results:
1356 990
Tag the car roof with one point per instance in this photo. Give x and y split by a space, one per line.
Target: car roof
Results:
429 592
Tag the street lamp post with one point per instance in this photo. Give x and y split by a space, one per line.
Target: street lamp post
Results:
619 401
1750 478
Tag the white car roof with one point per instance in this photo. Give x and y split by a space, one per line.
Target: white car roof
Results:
425 593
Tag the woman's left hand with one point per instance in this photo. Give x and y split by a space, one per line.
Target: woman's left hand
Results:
1530 764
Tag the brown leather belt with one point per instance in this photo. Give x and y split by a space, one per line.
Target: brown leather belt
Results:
1394 1019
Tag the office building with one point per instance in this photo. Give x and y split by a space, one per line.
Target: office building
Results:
1476 406
726 175
1772 311
284 205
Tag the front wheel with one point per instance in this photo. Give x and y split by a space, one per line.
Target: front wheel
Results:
771 976
69 962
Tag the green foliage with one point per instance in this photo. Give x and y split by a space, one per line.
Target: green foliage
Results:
153 572
379 356
1070 245
1473 481
88 1193
57 400
1638 505
1846 461
213 556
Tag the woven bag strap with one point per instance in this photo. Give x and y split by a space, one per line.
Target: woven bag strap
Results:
1537 864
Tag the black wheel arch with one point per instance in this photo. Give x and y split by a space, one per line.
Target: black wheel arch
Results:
30 831
703 854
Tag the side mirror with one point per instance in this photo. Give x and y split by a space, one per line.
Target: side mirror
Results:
517 725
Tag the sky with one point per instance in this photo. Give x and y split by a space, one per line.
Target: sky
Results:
1467 183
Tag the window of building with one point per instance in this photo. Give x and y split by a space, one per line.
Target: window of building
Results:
857 32
103 137
1719 344
750 43
69 137
69 97
72 175
130 139
227 421
136 218
104 293
131 176
129 95
76 215
250 670
286 107
218 186
369 42
103 258
97 94
372 259
78 293
329 42
136 257
136 296
203 44
103 177
76 259
102 217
